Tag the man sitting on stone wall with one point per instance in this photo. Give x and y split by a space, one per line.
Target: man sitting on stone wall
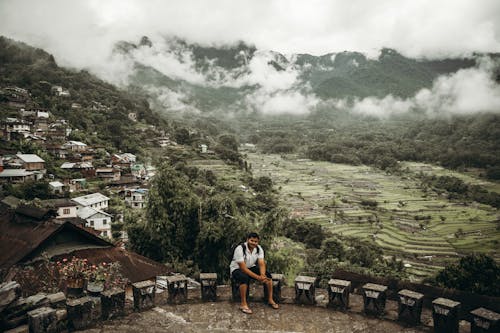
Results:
248 263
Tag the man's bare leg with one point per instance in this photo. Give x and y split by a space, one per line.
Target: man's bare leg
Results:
243 295
270 301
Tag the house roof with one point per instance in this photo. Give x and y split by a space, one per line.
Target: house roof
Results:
79 165
90 199
75 143
57 203
88 212
11 201
21 237
99 170
30 158
132 265
56 184
15 173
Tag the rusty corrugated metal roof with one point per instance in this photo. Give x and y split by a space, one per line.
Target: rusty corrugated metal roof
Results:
21 236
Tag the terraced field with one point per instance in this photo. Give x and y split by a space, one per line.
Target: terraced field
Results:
425 229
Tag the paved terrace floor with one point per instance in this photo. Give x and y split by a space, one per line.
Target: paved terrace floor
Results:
224 316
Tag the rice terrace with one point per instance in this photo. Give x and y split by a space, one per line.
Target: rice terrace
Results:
417 224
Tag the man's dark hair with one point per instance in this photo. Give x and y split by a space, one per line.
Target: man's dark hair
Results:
253 235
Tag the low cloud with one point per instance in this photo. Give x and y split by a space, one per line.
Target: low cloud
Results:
467 91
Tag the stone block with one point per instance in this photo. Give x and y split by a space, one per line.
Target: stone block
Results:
338 293
57 300
410 306
113 303
305 289
374 298
208 284
144 295
9 292
485 321
177 289
42 320
81 312
16 313
445 314
19 329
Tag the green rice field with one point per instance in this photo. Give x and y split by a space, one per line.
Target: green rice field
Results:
426 230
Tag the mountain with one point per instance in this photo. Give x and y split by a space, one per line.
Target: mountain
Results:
226 77
102 109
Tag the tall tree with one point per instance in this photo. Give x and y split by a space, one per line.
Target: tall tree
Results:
172 214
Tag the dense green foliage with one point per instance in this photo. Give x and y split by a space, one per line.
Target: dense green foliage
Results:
458 189
474 273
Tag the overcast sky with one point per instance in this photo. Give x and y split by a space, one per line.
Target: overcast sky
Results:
81 34
80 31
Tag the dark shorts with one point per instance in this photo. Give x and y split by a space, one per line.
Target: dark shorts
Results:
241 277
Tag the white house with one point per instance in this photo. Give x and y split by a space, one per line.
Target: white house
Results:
56 187
94 200
65 207
75 146
96 219
136 198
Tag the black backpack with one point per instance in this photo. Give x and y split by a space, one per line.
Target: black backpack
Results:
242 244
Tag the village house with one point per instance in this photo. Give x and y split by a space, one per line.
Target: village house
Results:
14 129
138 170
75 146
94 200
136 198
163 141
16 175
58 131
108 174
203 148
96 219
16 97
27 234
132 116
76 184
66 208
56 150
56 187
38 117
86 169
32 163
123 161
60 91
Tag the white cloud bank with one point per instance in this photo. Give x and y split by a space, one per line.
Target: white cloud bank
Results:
467 91
82 33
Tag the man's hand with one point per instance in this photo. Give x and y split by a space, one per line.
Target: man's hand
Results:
263 278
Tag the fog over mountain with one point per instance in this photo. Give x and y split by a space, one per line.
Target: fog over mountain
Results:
250 56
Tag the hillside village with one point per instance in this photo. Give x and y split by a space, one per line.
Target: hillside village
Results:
78 172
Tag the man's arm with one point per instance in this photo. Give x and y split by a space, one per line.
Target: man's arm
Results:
248 272
262 268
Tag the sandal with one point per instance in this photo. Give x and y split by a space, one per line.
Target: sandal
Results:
275 306
246 310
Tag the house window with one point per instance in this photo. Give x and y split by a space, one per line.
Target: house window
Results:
66 211
91 223
104 221
104 233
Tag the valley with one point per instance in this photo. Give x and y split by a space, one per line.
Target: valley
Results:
424 228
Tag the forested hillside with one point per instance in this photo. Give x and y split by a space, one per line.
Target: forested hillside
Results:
97 109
